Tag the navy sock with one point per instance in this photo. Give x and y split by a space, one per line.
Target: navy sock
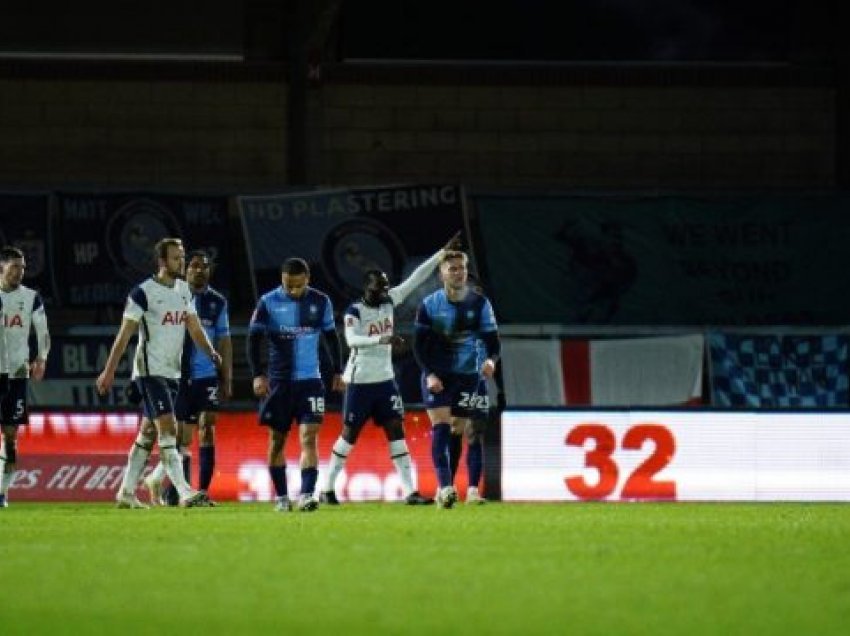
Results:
308 480
206 461
455 450
187 468
475 460
170 495
440 435
278 475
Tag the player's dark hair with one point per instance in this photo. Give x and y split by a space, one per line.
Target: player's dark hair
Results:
160 250
294 267
202 254
10 253
371 275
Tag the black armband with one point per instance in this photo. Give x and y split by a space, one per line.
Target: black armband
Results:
421 338
254 349
332 338
492 344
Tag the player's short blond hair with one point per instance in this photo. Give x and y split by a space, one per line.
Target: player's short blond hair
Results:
160 250
452 255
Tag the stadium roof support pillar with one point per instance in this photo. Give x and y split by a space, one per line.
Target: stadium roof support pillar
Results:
841 44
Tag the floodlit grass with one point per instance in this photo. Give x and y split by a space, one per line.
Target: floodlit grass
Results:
388 569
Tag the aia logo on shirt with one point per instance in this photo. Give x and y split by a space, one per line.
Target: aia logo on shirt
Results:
13 321
380 328
174 318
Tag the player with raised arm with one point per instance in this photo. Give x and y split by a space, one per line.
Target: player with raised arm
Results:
23 311
448 325
200 388
161 309
371 390
292 318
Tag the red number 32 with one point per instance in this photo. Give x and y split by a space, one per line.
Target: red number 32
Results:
641 483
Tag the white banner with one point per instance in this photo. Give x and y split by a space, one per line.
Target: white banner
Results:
532 373
675 456
662 371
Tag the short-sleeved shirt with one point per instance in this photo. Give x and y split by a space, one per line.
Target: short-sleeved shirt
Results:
211 307
161 312
293 327
454 329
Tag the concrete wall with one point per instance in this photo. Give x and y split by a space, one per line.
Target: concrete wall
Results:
164 134
579 136
231 135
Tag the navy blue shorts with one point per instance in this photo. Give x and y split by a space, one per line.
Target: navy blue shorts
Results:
300 400
13 405
460 392
196 397
379 400
158 395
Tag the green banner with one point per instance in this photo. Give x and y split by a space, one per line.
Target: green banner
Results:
667 260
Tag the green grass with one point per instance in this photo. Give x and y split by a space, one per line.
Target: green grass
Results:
388 569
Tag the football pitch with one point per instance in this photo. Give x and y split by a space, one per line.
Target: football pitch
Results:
389 569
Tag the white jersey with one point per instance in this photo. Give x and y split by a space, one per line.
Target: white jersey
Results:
369 361
4 358
23 310
161 312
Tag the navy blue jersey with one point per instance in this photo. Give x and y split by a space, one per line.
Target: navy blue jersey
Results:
447 333
292 327
211 306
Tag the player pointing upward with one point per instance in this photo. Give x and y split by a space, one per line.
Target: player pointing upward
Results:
371 389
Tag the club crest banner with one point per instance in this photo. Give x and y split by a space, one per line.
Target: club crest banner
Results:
23 224
344 233
107 240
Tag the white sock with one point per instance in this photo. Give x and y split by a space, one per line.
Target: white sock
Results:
173 463
158 473
5 479
341 449
137 458
401 458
